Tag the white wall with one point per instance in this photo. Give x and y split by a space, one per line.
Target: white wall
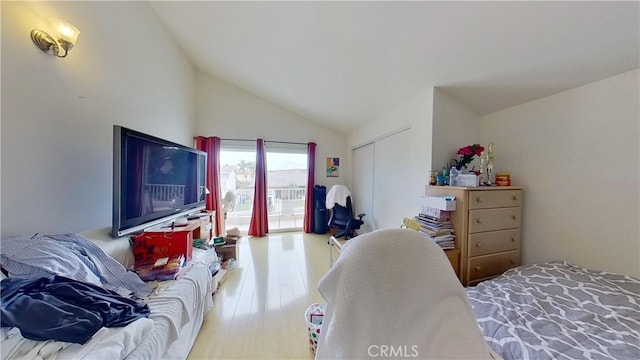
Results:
454 126
227 111
415 114
576 153
58 114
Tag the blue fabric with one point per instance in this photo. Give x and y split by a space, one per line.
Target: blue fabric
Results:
68 255
64 309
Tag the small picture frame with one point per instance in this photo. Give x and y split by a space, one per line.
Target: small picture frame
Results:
333 167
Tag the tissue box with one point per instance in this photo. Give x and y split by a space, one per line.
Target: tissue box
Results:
468 180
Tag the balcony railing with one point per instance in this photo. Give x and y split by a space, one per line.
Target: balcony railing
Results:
166 192
285 209
282 204
275 197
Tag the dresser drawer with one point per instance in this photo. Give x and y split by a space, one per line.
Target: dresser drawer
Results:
492 265
494 219
493 242
486 199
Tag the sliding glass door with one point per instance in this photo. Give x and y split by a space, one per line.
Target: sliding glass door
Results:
286 184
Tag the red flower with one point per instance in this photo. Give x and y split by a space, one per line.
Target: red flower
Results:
466 155
465 151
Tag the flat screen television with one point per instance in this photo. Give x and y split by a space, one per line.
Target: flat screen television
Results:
154 181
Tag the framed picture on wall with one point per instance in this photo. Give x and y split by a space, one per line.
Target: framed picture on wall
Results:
333 166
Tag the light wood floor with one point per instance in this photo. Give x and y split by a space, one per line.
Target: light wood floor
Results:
259 309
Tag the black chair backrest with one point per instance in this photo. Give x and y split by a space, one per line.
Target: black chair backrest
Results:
341 214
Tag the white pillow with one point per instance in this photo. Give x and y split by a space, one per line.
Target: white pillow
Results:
118 248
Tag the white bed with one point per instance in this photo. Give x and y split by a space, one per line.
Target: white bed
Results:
177 311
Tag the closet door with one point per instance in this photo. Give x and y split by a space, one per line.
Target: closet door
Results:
392 180
362 192
381 179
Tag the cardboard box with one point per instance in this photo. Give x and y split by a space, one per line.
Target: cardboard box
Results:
434 213
227 251
230 240
446 203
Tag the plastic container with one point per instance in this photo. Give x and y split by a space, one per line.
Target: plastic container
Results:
314 316
453 176
503 179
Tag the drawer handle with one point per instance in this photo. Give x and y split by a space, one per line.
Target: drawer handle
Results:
479 221
513 239
514 217
513 262
478 268
478 244
515 197
479 199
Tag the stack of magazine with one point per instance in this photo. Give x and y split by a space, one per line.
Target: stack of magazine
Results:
435 225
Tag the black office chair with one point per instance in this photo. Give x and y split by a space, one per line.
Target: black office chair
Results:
343 222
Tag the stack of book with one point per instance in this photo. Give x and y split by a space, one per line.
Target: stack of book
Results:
165 268
435 225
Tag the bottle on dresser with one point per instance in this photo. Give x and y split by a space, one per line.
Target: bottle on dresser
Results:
453 176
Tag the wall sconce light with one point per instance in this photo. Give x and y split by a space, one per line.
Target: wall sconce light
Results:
61 42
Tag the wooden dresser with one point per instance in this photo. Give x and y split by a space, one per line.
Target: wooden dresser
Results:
488 228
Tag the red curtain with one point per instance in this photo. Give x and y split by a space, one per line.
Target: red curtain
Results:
259 225
308 201
211 146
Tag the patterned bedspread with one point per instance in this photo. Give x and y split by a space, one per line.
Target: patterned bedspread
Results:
559 311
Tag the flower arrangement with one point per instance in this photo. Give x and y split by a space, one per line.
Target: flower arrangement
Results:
466 155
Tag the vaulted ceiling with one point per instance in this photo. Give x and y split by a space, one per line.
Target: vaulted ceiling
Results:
344 64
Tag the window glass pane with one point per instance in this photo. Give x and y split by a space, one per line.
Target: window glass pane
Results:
286 188
237 178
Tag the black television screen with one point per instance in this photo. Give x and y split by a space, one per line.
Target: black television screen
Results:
154 180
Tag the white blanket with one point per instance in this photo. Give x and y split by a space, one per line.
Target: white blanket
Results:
393 294
107 343
337 194
177 311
